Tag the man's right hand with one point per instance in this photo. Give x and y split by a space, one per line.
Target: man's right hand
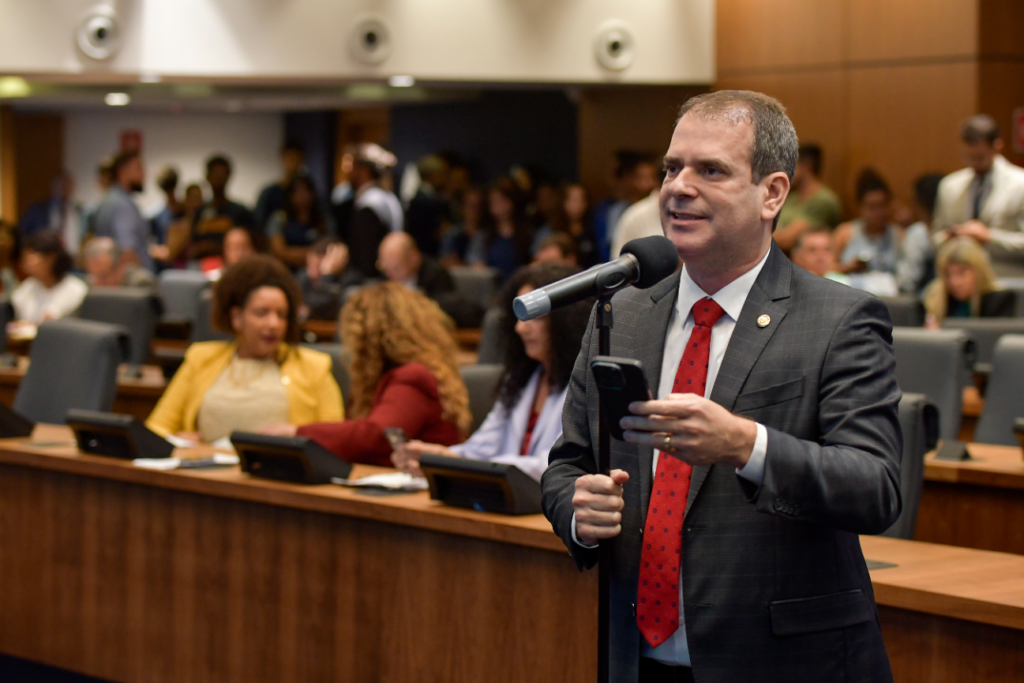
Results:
598 506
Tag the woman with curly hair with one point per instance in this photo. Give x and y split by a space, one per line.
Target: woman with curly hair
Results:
403 374
258 379
527 418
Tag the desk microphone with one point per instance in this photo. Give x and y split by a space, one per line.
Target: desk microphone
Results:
644 263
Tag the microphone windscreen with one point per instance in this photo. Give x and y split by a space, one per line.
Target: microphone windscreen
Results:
657 257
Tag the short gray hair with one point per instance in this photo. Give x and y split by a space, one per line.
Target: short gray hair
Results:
102 246
775 143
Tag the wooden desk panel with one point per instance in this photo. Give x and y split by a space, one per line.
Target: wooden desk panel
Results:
975 504
137 575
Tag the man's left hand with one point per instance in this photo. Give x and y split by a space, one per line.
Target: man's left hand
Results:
975 230
700 431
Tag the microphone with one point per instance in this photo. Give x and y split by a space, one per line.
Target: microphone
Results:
644 263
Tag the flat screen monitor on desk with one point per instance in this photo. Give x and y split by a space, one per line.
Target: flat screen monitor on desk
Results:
481 486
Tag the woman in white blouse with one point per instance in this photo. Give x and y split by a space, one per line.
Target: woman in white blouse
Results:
50 291
526 420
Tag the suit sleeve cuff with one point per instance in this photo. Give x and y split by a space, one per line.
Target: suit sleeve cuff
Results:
574 539
753 471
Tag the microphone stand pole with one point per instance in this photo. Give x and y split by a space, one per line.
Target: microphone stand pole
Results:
604 457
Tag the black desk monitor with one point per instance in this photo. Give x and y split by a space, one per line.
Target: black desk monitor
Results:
297 459
14 425
116 436
480 485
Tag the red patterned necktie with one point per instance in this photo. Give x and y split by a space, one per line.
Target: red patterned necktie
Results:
657 612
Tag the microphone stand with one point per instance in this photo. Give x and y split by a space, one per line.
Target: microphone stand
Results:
604 457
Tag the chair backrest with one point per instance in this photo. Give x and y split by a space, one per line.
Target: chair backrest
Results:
179 292
202 328
905 310
935 363
476 284
340 358
1017 285
986 332
919 421
134 308
482 383
73 365
1004 398
492 342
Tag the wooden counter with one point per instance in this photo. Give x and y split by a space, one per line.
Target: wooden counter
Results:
138 575
135 396
977 503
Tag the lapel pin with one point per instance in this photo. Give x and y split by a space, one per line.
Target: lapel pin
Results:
763 321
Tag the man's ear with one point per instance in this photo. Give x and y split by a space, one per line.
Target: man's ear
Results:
997 145
774 189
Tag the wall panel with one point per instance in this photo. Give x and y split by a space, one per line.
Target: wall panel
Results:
754 35
911 29
1001 85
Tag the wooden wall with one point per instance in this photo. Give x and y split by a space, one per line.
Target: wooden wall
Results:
31 154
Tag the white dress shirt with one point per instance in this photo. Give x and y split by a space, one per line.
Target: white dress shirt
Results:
731 298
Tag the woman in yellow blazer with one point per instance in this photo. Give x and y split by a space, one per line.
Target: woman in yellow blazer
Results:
260 378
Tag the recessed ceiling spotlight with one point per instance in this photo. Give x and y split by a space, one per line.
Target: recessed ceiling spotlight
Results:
150 77
117 99
401 81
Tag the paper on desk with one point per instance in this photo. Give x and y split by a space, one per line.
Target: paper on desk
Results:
397 481
175 463
223 444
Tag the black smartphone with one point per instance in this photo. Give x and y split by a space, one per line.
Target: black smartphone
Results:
396 437
620 381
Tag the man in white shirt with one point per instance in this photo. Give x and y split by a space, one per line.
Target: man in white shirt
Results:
643 219
984 201
732 510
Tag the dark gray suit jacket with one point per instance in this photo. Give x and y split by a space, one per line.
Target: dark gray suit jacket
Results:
775 585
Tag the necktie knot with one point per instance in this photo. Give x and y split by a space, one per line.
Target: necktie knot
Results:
706 312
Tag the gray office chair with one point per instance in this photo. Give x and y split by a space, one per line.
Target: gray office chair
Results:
202 327
1017 285
936 363
340 358
919 421
905 310
492 341
179 292
136 309
478 285
482 383
1004 400
986 333
73 365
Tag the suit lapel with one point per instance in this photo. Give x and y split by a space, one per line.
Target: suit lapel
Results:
749 339
656 320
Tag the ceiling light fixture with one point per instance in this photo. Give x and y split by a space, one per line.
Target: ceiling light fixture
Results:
117 99
14 86
401 81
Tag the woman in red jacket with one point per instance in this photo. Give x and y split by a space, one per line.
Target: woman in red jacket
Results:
403 374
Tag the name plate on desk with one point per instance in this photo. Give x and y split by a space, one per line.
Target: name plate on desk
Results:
297 459
953 451
481 486
116 436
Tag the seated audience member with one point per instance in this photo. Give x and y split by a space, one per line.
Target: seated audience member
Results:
57 213
465 243
916 268
869 246
326 276
10 257
814 253
572 218
172 253
810 202
984 201
526 420
220 214
237 245
636 177
104 266
557 248
965 286
403 374
49 291
643 219
161 221
427 216
294 229
508 236
274 197
370 212
258 379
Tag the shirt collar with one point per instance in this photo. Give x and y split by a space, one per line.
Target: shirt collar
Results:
731 297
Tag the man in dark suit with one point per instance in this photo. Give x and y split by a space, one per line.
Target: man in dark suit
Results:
794 451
